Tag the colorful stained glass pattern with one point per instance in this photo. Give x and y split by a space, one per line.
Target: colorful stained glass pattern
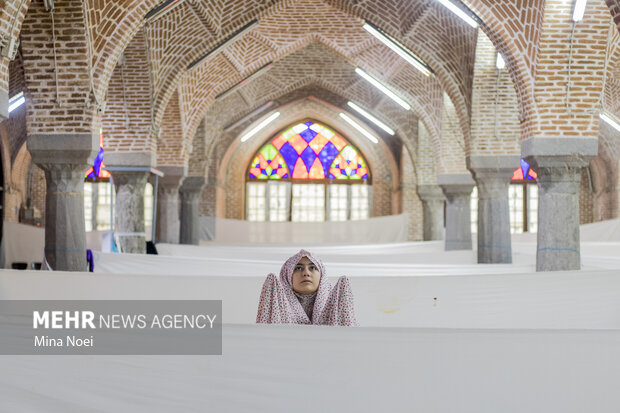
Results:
308 151
524 171
268 164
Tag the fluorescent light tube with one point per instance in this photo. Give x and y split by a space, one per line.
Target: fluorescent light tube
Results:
255 112
459 12
382 88
371 118
397 47
159 10
259 126
230 39
359 128
16 101
499 62
579 10
611 120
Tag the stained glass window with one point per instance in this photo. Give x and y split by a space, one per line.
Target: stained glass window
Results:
524 171
308 151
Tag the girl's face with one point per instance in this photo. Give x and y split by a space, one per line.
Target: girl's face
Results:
306 277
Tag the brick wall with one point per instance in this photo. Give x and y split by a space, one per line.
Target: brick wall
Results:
453 147
411 203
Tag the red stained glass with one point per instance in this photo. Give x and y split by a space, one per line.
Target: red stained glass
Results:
318 143
317 172
300 171
517 175
298 143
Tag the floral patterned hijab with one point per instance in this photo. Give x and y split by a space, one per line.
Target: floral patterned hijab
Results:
280 304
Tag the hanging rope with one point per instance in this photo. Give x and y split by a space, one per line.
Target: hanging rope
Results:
89 50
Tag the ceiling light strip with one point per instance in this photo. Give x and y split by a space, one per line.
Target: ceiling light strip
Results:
579 10
255 112
244 81
359 127
162 8
230 39
397 47
260 126
382 88
16 101
371 118
611 120
468 16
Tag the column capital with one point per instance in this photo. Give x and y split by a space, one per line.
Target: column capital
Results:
456 184
173 175
430 192
192 184
493 164
145 159
559 152
66 149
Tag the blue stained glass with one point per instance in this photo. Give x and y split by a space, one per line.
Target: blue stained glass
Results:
327 155
309 123
308 135
290 155
98 160
252 175
331 176
264 172
308 156
530 178
365 176
285 176
525 167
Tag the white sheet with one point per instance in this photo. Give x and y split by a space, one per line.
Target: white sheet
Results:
391 228
310 369
557 300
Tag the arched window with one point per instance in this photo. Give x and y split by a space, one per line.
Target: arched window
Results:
307 173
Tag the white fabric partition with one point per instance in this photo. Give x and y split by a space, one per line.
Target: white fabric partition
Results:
557 300
310 369
391 228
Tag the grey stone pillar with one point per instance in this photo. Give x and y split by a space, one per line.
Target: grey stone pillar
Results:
168 226
558 162
129 204
64 158
492 175
129 210
457 189
190 204
433 201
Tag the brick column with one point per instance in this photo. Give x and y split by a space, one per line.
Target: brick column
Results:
558 162
190 204
457 189
492 175
64 158
432 206
168 225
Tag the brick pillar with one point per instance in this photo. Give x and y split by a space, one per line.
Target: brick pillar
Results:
492 175
64 158
168 225
190 203
558 162
432 205
457 189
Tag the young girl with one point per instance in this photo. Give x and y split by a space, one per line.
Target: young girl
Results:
303 295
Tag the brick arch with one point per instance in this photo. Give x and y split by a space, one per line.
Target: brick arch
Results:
514 27
339 78
406 125
236 159
109 35
611 101
421 26
12 13
266 43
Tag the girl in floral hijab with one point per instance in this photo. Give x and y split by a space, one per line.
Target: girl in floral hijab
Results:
303 295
